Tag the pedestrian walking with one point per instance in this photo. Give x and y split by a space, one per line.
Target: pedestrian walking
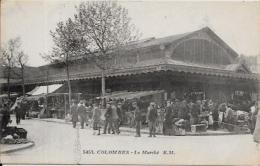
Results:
120 115
5 116
108 118
169 115
96 118
184 110
88 114
215 117
138 119
252 118
82 111
256 134
74 113
23 108
17 111
195 111
115 118
151 118
229 119
160 119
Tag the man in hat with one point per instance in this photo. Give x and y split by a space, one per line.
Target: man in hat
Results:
74 113
229 119
120 116
256 134
138 119
151 118
17 111
96 118
114 117
169 114
5 116
108 118
82 113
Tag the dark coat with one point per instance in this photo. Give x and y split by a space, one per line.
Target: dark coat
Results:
152 114
74 113
183 111
17 111
138 114
108 114
119 113
215 115
82 111
195 110
96 114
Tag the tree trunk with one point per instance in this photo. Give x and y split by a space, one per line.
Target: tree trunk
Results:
103 84
69 85
22 68
8 81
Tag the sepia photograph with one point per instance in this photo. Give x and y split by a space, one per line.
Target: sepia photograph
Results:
129 82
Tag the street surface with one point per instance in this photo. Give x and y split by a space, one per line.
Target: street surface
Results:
60 143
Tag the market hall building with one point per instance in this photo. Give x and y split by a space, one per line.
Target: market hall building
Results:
197 65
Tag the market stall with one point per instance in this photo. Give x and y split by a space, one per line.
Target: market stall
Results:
48 103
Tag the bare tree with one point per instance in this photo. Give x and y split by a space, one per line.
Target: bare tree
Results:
107 27
8 55
66 42
21 60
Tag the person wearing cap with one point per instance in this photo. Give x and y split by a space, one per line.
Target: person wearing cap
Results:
108 119
5 116
229 119
82 111
151 118
137 118
195 112
161 116
215 117
252 117
256 134
17 111
120 116
96 118
167 125
74 114
115 118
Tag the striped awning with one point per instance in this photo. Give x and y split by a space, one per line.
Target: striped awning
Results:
40 90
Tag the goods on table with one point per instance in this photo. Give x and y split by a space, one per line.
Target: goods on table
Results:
179 131
8 140
198 128
15 132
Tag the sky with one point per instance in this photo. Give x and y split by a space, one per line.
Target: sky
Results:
237 23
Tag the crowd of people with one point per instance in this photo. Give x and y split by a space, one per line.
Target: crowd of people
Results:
172 117
169 118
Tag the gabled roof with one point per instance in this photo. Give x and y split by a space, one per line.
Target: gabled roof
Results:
156 41
170 39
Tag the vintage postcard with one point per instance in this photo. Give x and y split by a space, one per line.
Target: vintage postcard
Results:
129 82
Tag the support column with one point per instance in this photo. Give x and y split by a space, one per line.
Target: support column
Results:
165 84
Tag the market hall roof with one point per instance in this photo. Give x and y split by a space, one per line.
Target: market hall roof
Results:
200 52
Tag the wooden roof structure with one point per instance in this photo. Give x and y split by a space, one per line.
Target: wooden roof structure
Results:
200 52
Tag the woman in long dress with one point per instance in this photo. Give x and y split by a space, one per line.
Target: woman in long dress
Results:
257 129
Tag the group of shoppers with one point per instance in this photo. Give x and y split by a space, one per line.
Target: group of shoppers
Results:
111 116
160 118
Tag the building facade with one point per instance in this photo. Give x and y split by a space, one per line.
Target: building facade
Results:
197 65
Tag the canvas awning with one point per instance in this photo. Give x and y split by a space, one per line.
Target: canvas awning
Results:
6 95
132 95
40 90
